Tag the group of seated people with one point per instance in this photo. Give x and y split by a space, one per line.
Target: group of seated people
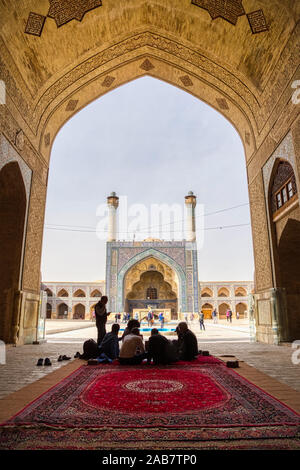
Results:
158 349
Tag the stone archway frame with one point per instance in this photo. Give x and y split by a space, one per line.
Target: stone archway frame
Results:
151 252
160 57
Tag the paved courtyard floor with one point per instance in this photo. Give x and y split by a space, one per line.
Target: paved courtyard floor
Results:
220 339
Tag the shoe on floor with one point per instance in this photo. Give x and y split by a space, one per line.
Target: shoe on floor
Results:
77 354
60 359
47 362
40 362
65 358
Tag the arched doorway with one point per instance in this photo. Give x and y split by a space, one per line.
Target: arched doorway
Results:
12 220
62 311
48 310
289 269
79 312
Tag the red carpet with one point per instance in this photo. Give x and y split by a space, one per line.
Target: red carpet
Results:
200 403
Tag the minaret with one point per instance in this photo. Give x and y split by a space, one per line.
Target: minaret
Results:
190 202
113 203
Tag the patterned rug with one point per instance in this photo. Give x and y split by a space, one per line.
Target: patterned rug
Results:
199 404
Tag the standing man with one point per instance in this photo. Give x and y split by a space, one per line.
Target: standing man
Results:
101 317
201 320
230 316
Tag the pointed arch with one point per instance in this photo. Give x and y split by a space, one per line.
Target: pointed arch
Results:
151 252
12 216
79 312
79 293
63 293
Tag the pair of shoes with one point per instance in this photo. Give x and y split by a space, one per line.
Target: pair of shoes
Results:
63 358
77 354
41 362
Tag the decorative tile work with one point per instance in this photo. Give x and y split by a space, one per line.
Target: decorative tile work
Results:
147 65
108 81
186 80
257 21
71 106
229 10
222 103
35 24
63 11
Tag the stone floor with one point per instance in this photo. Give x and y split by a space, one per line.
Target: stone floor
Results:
228 339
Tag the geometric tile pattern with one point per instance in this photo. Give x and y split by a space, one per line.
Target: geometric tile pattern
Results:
35 24
62 11
257 21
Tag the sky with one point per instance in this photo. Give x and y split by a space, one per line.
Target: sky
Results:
151 143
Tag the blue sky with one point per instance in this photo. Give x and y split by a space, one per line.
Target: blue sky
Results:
153 143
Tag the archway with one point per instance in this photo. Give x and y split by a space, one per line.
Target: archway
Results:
240 292
207 310
62 311
79 293
79 312
12 216
221 61
241 309
222 310
48 311
206 292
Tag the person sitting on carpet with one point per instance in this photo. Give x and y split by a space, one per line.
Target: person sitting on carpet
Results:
131 324
132 350
187 343
109 347
160 349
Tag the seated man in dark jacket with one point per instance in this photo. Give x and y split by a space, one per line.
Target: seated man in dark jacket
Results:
187 343
160 349
109 347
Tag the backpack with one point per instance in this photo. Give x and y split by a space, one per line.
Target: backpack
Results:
90 350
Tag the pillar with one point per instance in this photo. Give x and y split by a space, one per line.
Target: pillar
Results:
112 203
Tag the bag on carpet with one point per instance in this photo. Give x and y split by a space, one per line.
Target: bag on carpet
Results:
90 350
